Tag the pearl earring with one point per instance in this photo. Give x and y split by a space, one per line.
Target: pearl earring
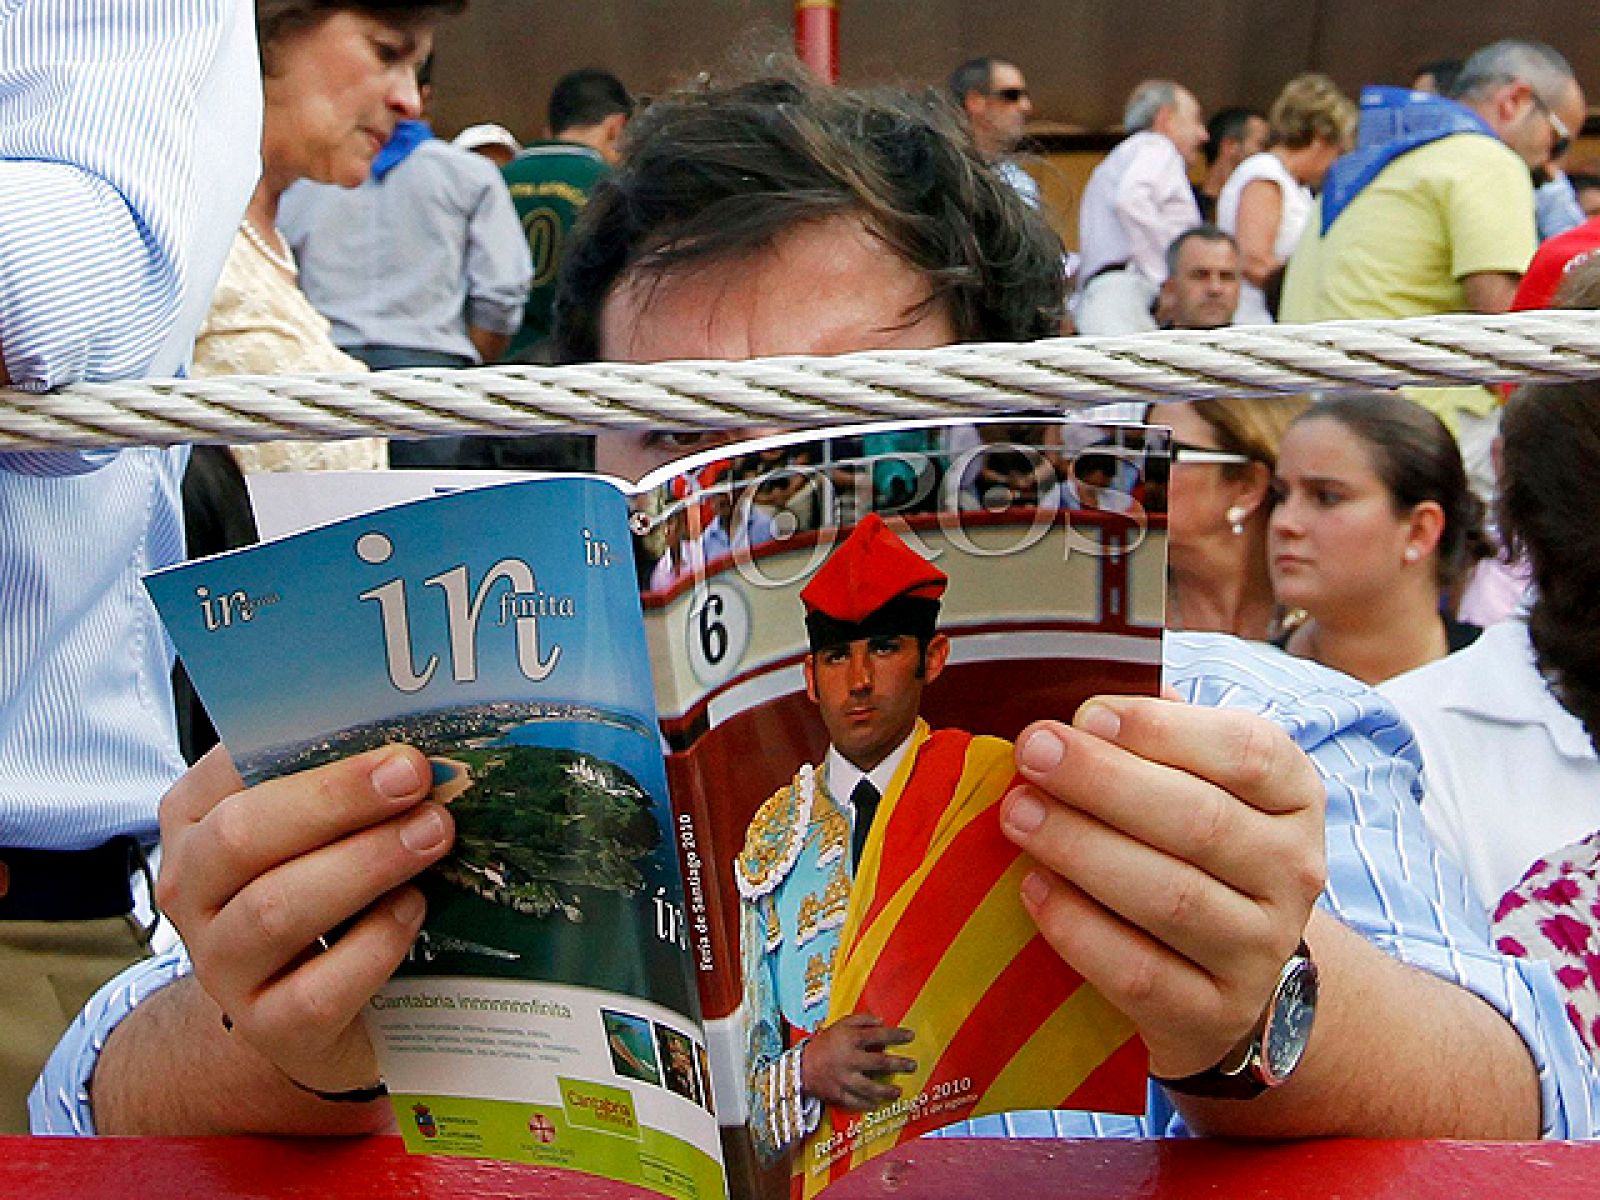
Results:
1235 517
1412 554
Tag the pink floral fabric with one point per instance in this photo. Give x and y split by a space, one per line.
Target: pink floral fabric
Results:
1553 913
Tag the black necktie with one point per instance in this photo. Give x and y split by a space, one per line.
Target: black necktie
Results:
865 801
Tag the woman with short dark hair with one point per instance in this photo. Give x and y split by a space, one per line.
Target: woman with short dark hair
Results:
338 78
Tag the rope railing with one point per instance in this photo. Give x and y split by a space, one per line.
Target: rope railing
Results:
968 379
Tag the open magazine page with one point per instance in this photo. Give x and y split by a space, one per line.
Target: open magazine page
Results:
1044 549
548 1012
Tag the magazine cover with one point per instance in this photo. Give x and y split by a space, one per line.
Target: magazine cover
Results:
547 1013
890 606
1032 557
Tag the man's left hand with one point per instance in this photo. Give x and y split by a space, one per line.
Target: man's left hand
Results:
1180 851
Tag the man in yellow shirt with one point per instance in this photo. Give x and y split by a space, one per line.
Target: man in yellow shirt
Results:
1434 212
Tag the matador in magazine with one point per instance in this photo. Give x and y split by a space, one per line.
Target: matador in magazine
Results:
879 878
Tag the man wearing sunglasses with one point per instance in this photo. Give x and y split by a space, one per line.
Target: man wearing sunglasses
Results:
1433 212
994 96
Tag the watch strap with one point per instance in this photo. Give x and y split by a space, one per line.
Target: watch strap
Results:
1243 1084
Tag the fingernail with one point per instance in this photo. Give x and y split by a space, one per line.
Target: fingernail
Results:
396 777
408 909
424 832
1022 812
1034 889
1101 721
1042 751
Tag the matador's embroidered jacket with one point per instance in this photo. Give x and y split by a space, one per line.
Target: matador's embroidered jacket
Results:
795 884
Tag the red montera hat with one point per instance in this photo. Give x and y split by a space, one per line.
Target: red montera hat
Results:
870 571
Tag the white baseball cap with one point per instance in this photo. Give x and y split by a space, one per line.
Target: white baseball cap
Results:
475 137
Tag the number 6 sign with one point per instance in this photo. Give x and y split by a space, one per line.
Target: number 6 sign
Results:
717 632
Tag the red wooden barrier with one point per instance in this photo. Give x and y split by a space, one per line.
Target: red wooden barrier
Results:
379 1169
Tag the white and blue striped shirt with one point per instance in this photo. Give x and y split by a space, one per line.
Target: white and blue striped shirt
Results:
129 144
1384 881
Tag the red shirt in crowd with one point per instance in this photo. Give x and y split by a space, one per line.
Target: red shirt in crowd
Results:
1552 262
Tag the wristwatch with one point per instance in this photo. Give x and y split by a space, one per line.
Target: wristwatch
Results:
1274 1048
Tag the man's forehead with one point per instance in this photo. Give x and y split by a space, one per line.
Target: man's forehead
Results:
1206 254
1005 75
823 287
1572 105
895 640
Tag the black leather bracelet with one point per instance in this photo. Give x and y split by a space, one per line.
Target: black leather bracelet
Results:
360 1095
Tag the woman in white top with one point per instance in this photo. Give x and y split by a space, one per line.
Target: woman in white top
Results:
1267 200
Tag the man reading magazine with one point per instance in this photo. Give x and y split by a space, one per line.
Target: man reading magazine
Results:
1184 850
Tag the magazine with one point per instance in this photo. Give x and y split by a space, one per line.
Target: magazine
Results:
645 704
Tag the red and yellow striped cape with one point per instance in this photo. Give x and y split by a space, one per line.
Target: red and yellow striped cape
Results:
936 939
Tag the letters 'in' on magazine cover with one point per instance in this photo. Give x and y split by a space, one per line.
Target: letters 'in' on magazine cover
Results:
1047 540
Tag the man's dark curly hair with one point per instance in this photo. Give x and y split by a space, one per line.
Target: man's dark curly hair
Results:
713 175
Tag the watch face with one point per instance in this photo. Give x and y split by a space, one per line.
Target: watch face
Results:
1289 1027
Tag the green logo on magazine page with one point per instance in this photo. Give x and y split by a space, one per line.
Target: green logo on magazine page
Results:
596 1106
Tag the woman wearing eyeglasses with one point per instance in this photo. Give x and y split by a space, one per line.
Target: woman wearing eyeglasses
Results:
1372 523
1223 456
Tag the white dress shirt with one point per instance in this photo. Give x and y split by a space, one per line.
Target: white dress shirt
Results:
1508 774
1137 201
842 776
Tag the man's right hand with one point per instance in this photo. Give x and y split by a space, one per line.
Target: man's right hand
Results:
843 1065
253 877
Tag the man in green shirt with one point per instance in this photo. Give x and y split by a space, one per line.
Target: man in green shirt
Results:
550 182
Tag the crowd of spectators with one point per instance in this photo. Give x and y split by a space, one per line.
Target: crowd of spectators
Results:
780 218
